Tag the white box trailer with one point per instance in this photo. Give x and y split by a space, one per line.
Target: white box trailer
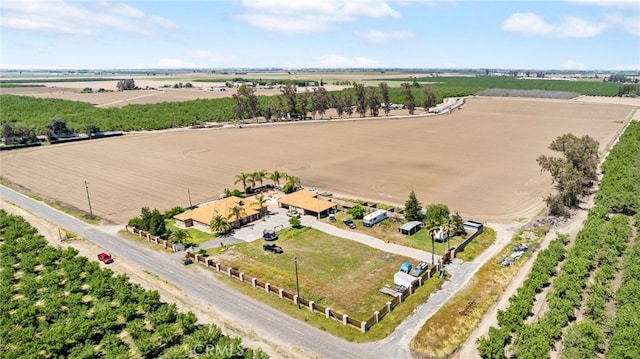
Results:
404 279
373 218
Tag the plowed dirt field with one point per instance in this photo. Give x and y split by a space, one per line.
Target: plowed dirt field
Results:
480 160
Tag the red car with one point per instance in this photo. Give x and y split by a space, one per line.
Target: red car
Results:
105 258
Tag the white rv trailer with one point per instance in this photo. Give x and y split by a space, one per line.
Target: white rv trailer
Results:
373 218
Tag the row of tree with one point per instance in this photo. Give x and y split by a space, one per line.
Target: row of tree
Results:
598 246
249 181
294 104
56 304
57 128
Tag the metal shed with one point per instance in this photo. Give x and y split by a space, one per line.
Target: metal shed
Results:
410 228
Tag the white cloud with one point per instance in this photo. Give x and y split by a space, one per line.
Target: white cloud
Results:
310 16
382 37
529 24
573 65
78 18
337 61
628 24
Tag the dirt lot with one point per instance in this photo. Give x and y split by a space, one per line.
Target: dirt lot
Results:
479 160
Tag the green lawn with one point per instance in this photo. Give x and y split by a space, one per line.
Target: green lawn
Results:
197 237
333 272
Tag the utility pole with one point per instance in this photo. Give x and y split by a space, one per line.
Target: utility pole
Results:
189 192
86 185
295 261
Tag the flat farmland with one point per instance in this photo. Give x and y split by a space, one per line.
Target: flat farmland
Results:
480 160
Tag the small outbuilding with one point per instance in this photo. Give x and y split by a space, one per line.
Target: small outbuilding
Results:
404 279
410 228
473 225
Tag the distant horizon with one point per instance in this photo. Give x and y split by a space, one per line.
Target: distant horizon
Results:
561 35
312 69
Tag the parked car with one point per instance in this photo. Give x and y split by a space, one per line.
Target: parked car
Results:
349 223
417 270
271 248
293 213
269 235
105 258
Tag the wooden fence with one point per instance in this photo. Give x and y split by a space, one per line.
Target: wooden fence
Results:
326 311
168 246
309 304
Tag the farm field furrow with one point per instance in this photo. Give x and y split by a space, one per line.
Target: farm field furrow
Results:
480 161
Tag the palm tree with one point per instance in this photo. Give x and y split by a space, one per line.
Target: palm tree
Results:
244 178
236 212
276 176
294 180
179 236
260 176
261 201
450 227
219 224
432 228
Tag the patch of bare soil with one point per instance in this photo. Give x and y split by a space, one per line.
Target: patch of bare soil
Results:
480 161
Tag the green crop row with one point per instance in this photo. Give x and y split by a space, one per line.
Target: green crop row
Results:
597 246
56 304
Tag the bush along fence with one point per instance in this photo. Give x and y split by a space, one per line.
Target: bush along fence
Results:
168 246
345 319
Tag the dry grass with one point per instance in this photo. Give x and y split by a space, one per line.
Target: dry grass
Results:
334 272
450 326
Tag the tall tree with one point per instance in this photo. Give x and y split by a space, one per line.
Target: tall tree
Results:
239 109
276 176
8 134
248 96
372 101
261 200
322 101
432 228
449 227
293 182
437 213
304 99
289 91
361 99
347 102
260 175
571 174
429 98
243 178
409 101
413 208
384 92
339 104
236 212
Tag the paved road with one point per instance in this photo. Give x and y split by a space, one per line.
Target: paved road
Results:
253 316
245 312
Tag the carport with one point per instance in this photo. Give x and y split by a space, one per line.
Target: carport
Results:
410 228
308 202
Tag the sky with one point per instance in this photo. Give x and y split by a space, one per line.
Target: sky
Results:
294 34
